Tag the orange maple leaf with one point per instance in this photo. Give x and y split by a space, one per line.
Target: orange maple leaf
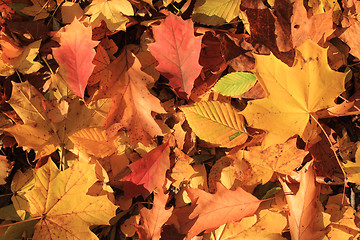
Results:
213 210
153 219
132 103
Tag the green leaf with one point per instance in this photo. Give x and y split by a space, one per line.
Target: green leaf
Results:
235 84
217 123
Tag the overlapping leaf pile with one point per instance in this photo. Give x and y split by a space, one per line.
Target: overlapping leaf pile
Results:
180 119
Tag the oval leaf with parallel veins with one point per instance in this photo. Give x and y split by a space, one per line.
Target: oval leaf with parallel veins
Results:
216 122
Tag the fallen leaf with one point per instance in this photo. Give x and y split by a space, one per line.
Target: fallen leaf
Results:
213 12
40 9
302 205
280 158
24 62
5 168
316 27
213 210
149 171
41 134
111 11
216 122
293 93
60 200
132 103
70 11
235 84
101 62
177 50
20 185
182 169
75 56
88 139
153 219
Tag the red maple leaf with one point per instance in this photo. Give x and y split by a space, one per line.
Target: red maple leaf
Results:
177 50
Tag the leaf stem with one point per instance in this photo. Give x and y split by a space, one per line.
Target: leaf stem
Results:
63 162
47 64
332 148
18 74
6 194
27 220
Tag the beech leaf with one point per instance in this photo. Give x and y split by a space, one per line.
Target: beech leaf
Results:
235 84
60 199
177 50
214 12
75 56
216 122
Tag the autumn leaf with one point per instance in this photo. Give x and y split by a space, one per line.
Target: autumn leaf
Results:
216 12
254 227
281 158
60 199
40 9
303 206
294 93
5 169
111 11
317 27
149 171
101 62
153 219
38 131
182 169
132 103
177 50
24 63
20 185
75 56
88 139
213 210
216 122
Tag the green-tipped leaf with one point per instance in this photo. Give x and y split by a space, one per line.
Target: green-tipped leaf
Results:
235 84
217 123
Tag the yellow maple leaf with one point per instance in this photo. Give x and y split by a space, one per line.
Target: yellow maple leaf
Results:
20 185
39 132
61 200
293 93
23 63
112 12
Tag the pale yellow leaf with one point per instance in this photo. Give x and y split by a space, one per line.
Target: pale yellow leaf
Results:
216 122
